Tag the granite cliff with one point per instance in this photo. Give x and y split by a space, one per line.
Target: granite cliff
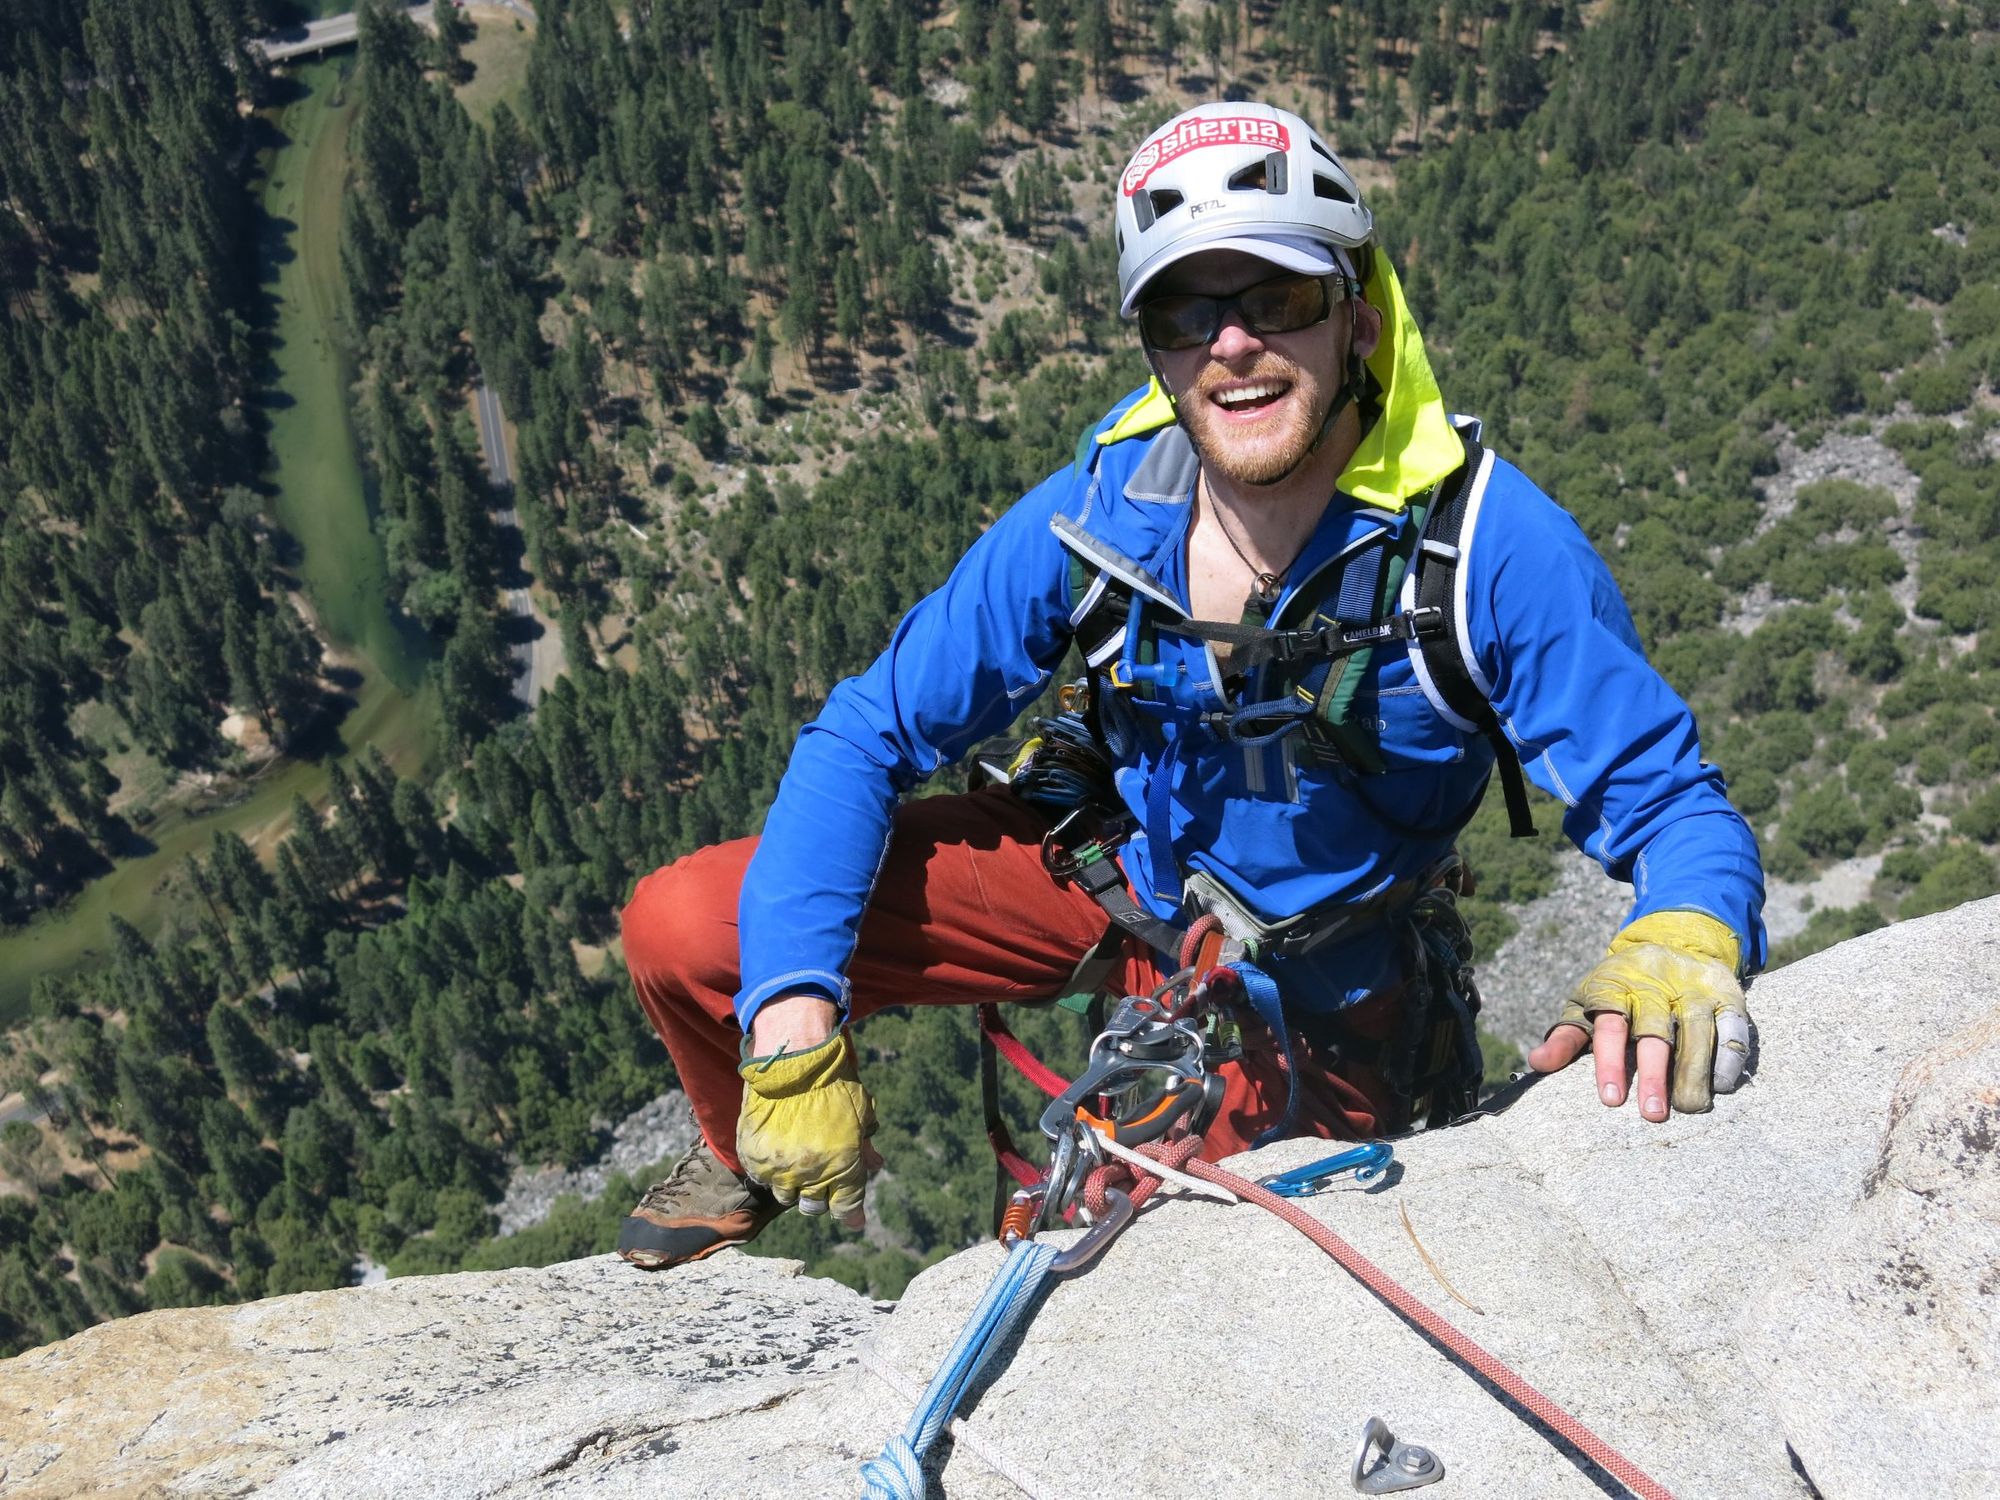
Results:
1794 1295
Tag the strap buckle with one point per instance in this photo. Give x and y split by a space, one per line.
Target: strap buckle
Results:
1338 639
1425 624
1293 645
1066 862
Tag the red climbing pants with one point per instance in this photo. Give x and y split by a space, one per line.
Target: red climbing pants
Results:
962 912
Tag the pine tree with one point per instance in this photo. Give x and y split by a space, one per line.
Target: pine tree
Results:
250 1070
1170 36
1097 40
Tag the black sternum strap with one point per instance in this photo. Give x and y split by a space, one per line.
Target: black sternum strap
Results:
1253 645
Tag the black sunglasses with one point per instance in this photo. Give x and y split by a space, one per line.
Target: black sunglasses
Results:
1284 304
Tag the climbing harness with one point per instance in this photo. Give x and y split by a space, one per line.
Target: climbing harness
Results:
1129 1123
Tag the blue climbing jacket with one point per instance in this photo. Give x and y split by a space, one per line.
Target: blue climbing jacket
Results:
1542 626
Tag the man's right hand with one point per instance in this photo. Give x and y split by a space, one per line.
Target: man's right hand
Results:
806 1119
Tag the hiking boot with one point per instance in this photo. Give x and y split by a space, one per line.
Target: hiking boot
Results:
700 1208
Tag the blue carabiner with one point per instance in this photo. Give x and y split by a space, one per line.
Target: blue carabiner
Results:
1367 1163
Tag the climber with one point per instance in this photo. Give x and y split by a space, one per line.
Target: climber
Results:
1288 472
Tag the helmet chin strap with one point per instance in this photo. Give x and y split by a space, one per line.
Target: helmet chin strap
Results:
1348 394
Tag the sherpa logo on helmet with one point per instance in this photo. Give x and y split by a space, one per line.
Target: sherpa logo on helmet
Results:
1192 135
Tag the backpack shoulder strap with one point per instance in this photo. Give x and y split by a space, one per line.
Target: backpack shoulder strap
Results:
1450 677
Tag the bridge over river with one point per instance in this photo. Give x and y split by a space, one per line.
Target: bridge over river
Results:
339 31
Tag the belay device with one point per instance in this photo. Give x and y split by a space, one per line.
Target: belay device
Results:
1151 1074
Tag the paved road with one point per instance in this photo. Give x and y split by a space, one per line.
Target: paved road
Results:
538 661
338 31
492 441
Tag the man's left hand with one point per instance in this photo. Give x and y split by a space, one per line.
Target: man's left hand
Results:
1670 981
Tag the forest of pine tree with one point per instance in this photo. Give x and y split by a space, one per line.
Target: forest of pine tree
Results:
136 566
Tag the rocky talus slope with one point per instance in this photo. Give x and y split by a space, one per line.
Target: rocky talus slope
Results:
1793 1295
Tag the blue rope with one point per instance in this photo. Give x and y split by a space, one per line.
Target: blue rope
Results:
897 1473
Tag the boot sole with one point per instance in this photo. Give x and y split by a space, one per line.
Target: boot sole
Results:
656 1247
661 1260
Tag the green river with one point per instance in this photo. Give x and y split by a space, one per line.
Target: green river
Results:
320 501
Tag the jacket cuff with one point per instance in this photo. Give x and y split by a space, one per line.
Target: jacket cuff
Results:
827 982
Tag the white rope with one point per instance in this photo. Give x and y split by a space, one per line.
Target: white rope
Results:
1163 1172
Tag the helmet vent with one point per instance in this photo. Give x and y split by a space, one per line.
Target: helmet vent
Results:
1266 176
1314 143
1325 187
1165 201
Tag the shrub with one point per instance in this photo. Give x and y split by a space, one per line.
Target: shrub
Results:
1836 924
1784 738
1979 819
1961 874
1937 389
1825 822
1920 688
1754 793
1785 860
183 1280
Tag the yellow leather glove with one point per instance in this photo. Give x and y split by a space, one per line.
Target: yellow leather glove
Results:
1672 975
805 1116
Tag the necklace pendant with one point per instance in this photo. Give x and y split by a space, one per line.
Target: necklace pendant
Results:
1268 586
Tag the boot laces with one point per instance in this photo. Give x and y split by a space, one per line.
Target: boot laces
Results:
670 1192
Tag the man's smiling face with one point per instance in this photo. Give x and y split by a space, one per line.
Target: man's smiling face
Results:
1253 402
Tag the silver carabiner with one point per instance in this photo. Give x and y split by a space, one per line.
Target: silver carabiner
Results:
1117 1214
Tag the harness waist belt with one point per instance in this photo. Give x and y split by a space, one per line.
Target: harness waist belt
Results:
1292 936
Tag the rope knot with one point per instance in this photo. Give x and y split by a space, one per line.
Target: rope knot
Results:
1116 1174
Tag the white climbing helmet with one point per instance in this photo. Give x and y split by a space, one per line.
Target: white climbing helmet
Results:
1236 177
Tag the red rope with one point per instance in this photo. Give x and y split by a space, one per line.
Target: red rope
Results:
1012 1162
1180 1154
1010 1047
1202 926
